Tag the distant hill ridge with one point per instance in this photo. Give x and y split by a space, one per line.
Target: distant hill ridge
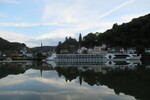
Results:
44 48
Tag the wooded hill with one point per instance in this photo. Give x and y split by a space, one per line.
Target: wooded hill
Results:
10 46
133 34
70 44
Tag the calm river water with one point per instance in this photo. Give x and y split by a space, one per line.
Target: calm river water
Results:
128 80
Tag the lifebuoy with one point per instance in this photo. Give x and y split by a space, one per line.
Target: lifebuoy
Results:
109 56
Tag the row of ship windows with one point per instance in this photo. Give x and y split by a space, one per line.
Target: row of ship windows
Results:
96 57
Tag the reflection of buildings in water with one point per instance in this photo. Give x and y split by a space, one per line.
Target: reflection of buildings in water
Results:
134 82
103 68
2 64
25 64
148 66
80 69
10 69
22 64
123 77
96 69
14 68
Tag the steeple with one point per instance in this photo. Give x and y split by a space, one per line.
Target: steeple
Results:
41 46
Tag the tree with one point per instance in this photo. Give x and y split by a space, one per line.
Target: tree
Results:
140 50
66 38
58 48
80 40
115 25
71 45
89 40
39 56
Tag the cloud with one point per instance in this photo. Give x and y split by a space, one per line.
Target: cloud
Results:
127 18
17 24
72 17
31 41
15 37
75 12
72 31
46 42
52 87
31 24
62 11
70 12
2 14
53 37
59 12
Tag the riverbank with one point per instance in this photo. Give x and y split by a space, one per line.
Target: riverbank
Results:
21 58
145 56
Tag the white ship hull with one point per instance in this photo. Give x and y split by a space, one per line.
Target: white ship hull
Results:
92 57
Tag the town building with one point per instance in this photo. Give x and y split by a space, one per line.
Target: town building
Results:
147 50
95 50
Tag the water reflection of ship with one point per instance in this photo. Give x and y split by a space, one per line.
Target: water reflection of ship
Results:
92 57
127 63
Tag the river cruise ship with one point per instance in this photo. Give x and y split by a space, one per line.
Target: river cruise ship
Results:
92 57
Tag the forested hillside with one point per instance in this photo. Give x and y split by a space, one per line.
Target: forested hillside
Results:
133 34
6 45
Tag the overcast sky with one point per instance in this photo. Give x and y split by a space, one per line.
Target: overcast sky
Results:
50 21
